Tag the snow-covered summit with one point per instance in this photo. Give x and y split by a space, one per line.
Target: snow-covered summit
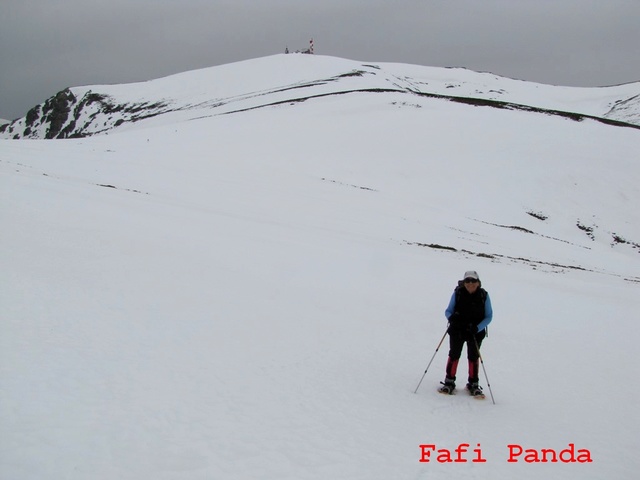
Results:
91 110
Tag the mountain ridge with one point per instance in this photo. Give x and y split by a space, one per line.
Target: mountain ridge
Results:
93 110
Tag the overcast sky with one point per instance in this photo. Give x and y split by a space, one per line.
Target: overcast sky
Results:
49 45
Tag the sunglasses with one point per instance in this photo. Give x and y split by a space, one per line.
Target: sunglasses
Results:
470 280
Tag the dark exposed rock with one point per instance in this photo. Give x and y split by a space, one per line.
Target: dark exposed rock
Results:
56 112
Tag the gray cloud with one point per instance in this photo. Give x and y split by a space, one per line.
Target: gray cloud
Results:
46 45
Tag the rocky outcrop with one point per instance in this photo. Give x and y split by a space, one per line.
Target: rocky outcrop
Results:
66 115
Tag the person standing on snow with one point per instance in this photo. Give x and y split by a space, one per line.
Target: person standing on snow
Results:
469 312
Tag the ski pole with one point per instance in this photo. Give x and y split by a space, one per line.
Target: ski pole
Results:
483 369
434 356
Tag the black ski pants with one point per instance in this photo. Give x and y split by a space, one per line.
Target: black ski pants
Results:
457 341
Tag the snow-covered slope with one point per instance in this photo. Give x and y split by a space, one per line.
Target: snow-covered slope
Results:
83 111
257 294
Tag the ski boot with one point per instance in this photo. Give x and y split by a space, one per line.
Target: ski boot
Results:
448 386
475 390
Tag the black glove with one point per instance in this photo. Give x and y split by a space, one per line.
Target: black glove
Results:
454 319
